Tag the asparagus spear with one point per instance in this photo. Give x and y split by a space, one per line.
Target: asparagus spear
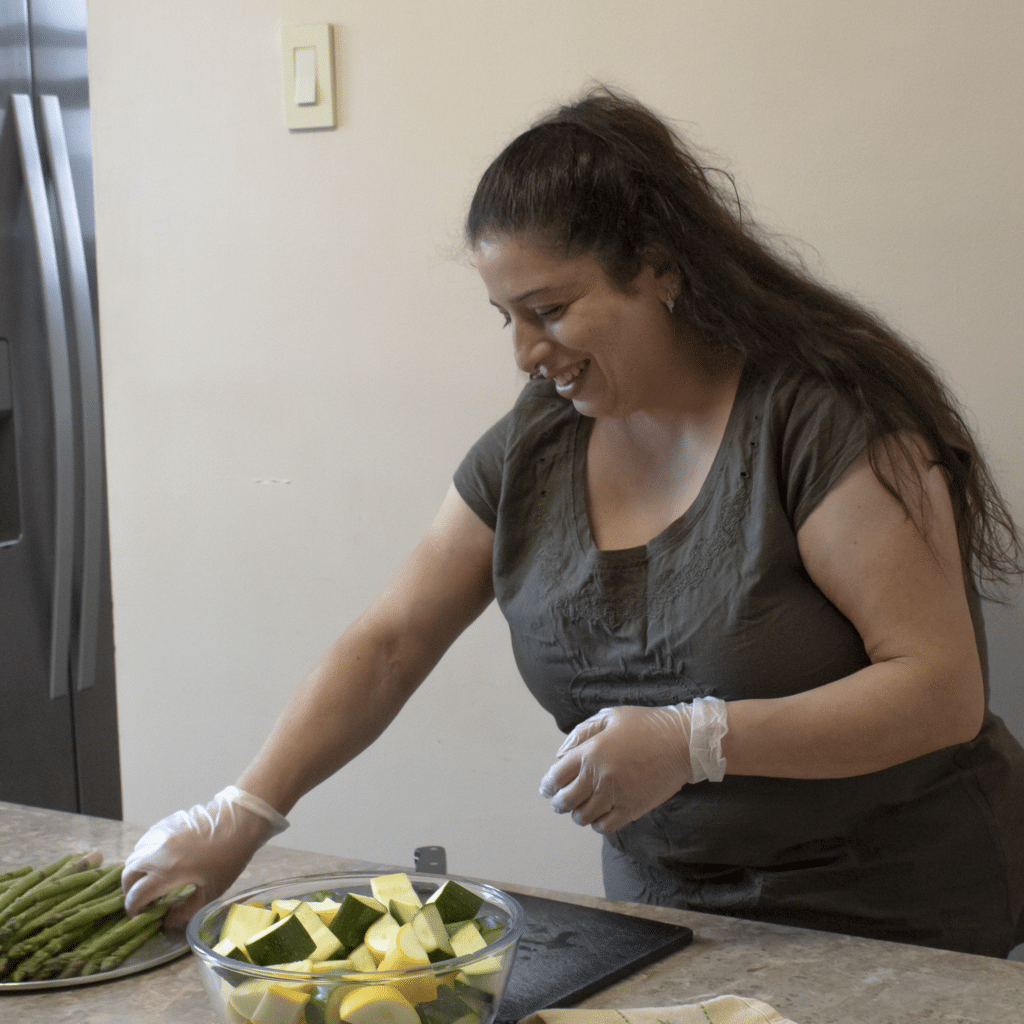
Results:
121 953
59 886
36 884
29 881
22 926
114 955
126 927
68 963
50 920
103 907
11 876
83 951
44 896
109 879
41 964
85 957
86 931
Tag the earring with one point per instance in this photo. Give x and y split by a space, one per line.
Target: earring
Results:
670 304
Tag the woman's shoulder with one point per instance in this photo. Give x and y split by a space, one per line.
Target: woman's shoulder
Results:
793 388
538 417
798 404
537 404
813 430
538 410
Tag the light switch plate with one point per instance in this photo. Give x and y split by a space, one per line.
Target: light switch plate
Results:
322 113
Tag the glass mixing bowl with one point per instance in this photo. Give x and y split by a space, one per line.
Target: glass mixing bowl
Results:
466 989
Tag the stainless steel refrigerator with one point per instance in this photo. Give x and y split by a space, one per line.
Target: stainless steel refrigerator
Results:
58 712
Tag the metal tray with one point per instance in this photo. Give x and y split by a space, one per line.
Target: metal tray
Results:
160 949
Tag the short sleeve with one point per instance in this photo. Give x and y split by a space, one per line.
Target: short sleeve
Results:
479 476
820 433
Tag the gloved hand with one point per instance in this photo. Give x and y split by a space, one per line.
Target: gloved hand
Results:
207 845
623 762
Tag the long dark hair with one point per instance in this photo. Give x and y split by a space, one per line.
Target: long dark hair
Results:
607 178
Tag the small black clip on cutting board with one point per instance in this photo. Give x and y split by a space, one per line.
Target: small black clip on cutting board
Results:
569 952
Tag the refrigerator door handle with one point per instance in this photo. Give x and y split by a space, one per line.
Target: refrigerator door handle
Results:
60 375
91 425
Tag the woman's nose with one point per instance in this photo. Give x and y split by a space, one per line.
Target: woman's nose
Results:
531 346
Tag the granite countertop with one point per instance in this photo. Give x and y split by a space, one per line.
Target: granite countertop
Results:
810 977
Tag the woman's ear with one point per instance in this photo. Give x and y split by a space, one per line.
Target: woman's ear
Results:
666 274
669 283
672 288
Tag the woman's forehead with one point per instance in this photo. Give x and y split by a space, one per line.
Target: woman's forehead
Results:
515 257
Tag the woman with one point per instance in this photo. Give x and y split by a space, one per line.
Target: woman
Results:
735 525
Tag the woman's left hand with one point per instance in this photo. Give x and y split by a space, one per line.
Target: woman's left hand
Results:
619 764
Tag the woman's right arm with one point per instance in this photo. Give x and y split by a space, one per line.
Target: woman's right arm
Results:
342 707
371 671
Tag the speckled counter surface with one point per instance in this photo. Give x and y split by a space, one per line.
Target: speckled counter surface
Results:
810 977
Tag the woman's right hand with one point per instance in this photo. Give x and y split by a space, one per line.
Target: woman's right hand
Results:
208 846
348 699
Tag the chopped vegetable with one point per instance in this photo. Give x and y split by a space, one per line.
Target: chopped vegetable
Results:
380 935
357 913
281 1005
408 951
455 902
431 932
377 1004
386 888
244 920
327 943
283 942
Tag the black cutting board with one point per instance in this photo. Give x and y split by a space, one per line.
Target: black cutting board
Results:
569 952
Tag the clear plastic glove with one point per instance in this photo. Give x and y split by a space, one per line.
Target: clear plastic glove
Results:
625 761
208 846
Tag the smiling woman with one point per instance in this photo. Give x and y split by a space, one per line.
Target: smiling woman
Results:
738 531
762 495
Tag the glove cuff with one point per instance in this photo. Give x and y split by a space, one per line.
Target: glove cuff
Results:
708 724
232 794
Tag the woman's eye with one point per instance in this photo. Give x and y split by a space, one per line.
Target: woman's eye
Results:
549 312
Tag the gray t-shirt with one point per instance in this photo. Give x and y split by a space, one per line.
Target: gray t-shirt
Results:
720 604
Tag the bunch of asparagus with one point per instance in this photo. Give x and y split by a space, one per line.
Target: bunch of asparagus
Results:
68 920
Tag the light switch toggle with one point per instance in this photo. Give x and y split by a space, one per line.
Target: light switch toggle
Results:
308 76
305 76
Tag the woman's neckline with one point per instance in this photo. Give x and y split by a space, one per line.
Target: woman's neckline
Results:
674 531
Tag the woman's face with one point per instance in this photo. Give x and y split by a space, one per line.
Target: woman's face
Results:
608 350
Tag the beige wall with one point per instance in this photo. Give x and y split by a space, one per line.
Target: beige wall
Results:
296 357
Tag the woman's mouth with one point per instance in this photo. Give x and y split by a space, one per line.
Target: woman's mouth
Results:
565 379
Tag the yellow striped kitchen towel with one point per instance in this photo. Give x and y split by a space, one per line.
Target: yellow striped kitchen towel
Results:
720 1010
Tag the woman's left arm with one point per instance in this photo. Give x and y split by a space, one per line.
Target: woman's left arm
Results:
899 580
